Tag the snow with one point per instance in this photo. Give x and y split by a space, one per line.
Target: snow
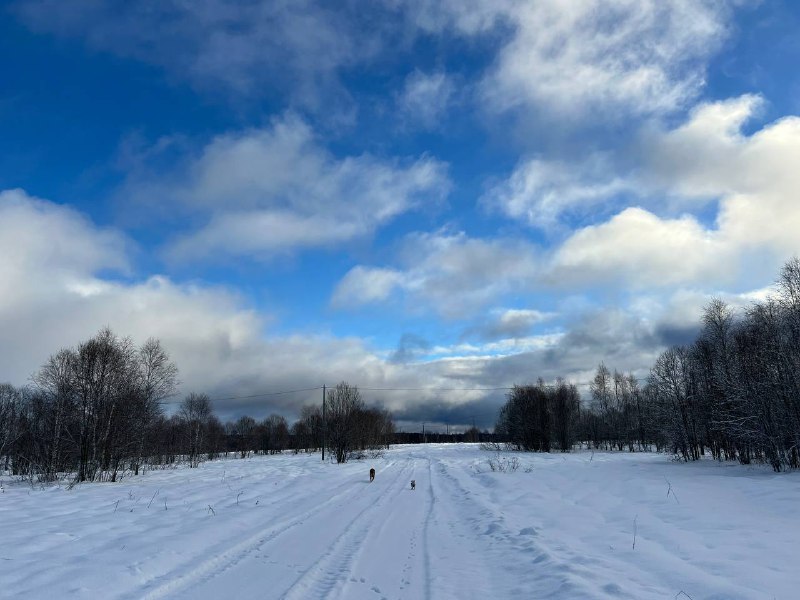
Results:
289 526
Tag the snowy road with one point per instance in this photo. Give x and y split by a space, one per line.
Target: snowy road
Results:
293 527
356 540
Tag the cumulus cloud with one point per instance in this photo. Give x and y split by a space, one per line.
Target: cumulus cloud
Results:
266 191
52 261
749 178
755 177
40 240
752 179
450 273
640 247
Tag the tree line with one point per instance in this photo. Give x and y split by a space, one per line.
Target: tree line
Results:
733 393
95 412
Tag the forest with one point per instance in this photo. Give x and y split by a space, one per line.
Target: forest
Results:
95 413
733 393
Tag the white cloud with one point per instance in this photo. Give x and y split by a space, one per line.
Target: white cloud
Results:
272 190
498 348
55 294
51 260
639 247
708 156
514 320
755 177
539 191
426 98
575 58
363 285
569 58
752 178
451 273
42 243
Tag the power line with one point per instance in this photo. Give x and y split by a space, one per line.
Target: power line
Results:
311 389
260 395
385 389
429 389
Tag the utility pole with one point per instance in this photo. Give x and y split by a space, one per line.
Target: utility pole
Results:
324 424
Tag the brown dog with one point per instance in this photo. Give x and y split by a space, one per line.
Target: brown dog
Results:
371 474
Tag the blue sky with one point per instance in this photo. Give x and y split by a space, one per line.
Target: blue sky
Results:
399 194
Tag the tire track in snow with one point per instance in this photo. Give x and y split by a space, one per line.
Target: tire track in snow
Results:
178 579
398 541
425 532
550 577
322 578
454 543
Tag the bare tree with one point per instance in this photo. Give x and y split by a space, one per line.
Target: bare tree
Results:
344 403
245 430
10 419
565 405
157 378
195 413
278 433
525 419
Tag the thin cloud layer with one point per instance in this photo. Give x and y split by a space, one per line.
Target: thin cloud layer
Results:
426 98
509 323
242 49
623 57
269 191
452 274
542 192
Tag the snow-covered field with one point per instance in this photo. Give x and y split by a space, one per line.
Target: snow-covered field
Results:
561 526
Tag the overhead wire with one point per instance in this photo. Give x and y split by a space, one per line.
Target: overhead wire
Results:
390 389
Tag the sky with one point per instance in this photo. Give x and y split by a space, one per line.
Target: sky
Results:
429 194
